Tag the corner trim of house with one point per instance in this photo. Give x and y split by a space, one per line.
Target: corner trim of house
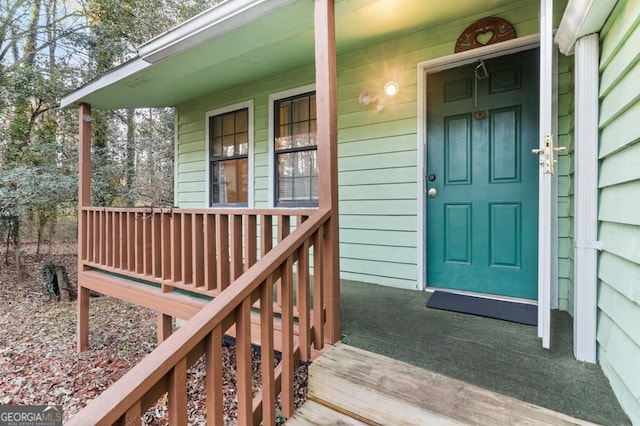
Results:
586 198
434 65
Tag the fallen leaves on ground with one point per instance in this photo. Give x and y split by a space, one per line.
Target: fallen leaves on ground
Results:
39 364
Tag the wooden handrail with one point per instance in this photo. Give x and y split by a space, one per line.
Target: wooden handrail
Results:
164 369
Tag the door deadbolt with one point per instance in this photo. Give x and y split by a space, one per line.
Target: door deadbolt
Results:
432 192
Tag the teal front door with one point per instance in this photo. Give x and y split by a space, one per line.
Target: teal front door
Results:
481 178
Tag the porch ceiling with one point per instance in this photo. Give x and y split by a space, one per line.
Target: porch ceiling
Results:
262 45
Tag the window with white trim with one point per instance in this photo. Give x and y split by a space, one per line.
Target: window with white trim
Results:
229 139
295 151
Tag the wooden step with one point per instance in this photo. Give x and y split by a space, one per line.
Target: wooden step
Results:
313 413
378 390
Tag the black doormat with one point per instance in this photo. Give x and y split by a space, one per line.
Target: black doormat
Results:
501 309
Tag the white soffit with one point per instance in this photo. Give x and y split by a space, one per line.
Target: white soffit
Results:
581 17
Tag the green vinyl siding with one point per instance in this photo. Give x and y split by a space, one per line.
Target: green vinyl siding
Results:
618 332
377 150
565 183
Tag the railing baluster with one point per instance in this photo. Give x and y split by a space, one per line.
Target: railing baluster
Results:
213 379
176 250
166 237
131 241
198 250
156 244
116 239
108 229
103 238
187 248
266 234
243 362
302 302
122 240
140 243
267 354
222 242
148 244
236 246
90 234
210 252
178 393
96 232
318 299
250 243
287 337
284 226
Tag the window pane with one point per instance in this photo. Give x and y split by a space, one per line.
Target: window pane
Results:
215 125
302 137
242 188
228 124
217 185
228 146
230 181
242 143
216 147
242 121
312 107
297 177
300 109
283 112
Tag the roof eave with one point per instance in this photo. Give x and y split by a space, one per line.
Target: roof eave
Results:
209 24
581 17
104 80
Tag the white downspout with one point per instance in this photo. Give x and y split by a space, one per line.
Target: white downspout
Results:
586 198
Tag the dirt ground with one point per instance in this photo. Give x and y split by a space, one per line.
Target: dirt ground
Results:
39 364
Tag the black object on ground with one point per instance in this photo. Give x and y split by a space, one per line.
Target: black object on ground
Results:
500 309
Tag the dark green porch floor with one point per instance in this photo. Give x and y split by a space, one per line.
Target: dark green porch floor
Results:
501 356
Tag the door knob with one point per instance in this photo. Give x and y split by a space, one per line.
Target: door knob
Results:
432 192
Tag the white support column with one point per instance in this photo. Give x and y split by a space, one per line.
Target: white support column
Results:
586 198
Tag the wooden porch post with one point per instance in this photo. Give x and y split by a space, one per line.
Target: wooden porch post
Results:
84 200
326 100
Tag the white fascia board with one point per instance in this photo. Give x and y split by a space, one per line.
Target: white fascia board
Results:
581 17
113 76
218 20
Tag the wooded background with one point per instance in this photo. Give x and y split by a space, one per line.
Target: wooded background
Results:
47 49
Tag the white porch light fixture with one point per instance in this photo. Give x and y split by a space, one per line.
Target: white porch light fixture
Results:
391 88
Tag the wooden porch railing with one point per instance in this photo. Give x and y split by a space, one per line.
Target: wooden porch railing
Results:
165 369
201 251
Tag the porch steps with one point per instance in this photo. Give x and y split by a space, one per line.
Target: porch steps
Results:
350 386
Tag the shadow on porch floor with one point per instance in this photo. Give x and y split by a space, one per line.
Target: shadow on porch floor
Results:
497 355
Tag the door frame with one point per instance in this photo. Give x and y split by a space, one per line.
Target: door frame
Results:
545 210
